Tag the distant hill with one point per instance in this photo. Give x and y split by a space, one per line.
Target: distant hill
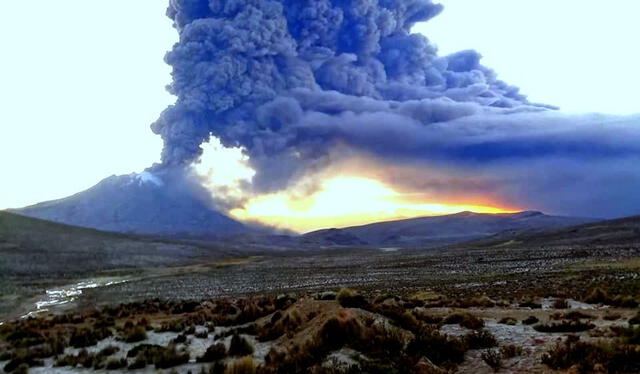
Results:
611 232
439 230
158 204
30 246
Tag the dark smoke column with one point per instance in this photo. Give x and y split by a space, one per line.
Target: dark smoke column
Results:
268 75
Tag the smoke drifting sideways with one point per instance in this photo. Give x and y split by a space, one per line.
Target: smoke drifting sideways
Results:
292 81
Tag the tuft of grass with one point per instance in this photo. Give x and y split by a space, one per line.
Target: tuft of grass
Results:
531 320
508 321
437 347
561 304
349 298
529 303
598 296
493 358
115 364
510 351
135 334
240 346
614 358
465 320
245 365
564 326
573 316
214 353
480 339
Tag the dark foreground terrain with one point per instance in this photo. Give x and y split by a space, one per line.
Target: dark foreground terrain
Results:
523 302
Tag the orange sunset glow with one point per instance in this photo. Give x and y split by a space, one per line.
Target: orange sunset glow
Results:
346 201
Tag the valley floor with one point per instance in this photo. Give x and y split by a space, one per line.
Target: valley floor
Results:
472 307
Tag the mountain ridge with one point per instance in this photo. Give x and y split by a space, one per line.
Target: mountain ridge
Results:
440 230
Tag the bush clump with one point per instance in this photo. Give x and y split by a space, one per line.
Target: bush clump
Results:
245 365
161 357
134 334
493 358
508 321
465 320
214 353
511 350
437 347
531 320
614 358
480 339
564 326
240 346
349 298
561 304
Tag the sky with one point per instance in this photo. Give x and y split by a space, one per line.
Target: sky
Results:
82 82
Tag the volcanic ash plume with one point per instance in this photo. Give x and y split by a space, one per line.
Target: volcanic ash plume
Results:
287 80
300 85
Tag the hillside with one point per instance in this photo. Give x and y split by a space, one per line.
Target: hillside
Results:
30 246
611 232
439 230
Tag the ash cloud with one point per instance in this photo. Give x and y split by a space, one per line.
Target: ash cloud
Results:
291 80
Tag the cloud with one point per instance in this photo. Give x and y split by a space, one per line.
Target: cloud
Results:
296 82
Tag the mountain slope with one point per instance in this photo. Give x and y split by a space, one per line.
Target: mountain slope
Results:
441 230
158 204
611 232
30 246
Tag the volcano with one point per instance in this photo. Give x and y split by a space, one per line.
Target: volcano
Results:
157 203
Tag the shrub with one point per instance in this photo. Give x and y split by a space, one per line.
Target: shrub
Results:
624 301
530 320
564 326
598 296
115 364
629 335
465 320
615 358
170 357
161 357
349 298
138 363
437 347
181 338
511 350
480 339
635 320
492 358
240 346
216 368
528 303
244 365
574 316
508 321
22 369
87 337
214 353
611 317
135 334
21 360
202 335
560 304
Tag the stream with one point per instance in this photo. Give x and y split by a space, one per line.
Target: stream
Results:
56 297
